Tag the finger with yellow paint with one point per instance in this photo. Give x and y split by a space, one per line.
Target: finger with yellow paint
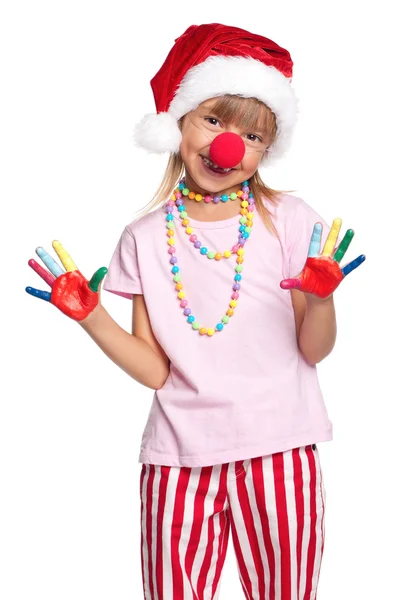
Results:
64 256
332 238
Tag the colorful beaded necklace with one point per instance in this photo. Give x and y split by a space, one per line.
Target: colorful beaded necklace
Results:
246 224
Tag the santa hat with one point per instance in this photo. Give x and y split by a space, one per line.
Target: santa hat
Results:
211 60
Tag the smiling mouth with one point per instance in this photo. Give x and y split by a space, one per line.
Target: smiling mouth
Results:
213 167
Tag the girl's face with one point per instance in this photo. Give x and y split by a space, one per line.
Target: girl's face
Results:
201 126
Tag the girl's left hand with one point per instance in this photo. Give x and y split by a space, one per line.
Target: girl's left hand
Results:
322 274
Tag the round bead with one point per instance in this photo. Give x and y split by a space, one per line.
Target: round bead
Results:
181 209
248 229
177 278
170 233
210 332
236 287
193 238
246 182
190 319
203 331
208 199
233 303
218 256
198 197
184 303
235 295
211 254
237 277
216 199
171 242
173 260
234 249
242 228
238 268
178 195
197 244
185 191
172 199
225 320
239 193
233 196
195 325
227 253
169 218
179 286
245 189
189 230
175 270
230 312
240 252
243 220
250 215
204 250
172 250
170 225
244 204
183 214
240 260
224 198
192 195
182 185
185 222
187 312
219 326
245 235
244 211
248 223
169 208
243 239
181 295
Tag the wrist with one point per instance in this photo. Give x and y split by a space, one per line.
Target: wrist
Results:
92 317
312 300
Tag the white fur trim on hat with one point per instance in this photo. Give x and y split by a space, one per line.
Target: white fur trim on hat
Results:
216 76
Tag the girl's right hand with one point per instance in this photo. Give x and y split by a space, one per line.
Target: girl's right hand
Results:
71 292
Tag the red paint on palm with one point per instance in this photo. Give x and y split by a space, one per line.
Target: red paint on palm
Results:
71 294
321 276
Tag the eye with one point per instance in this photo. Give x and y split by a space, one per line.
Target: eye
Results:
212 120
254 138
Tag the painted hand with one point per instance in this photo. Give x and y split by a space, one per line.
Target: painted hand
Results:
71 292
322 274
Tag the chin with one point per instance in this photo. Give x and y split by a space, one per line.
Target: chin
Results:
213 182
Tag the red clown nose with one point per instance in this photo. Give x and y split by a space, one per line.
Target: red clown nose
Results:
227 150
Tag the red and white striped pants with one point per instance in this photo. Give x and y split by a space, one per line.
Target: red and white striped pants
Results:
274 506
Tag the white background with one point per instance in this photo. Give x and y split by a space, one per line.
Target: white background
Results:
75 79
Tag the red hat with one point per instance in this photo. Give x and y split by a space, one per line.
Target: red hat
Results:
211 60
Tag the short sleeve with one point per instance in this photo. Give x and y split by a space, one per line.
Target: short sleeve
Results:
299 234
123 277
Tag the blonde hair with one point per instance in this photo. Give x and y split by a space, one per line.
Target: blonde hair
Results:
245 113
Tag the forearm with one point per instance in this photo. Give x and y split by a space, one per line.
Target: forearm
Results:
131 354
318 330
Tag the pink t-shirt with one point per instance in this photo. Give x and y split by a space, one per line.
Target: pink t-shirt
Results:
247 391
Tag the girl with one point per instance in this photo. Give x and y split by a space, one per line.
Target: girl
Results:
229 322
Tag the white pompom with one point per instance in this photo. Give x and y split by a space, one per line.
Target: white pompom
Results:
158 133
